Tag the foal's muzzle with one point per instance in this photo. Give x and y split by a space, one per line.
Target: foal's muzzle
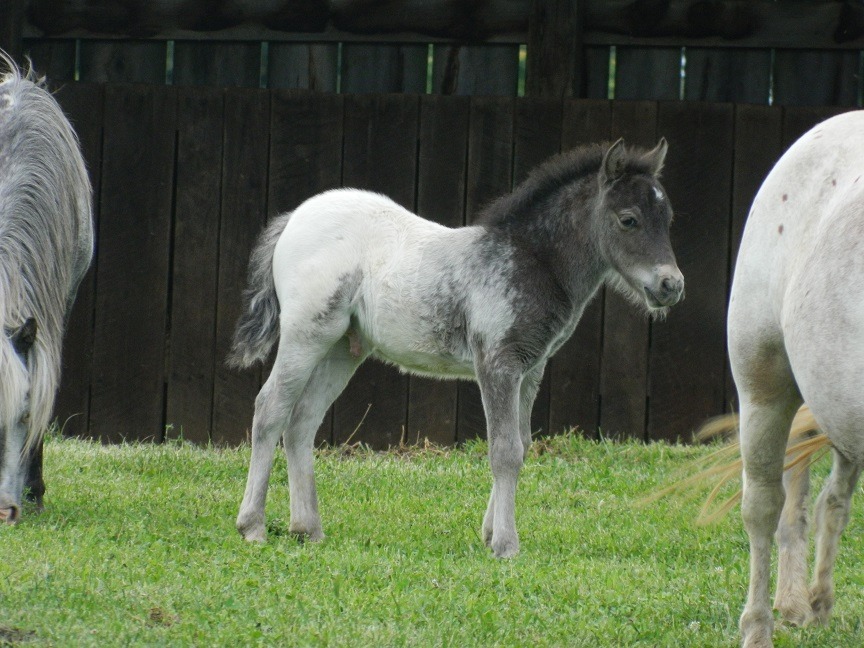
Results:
667 288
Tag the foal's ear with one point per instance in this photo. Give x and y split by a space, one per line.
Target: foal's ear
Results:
656 156
23 339
612 167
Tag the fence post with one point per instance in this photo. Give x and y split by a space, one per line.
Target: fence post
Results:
554 64
11 27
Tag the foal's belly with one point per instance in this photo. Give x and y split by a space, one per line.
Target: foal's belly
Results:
427 364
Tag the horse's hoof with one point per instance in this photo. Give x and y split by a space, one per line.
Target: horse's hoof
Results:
821 603
506 548
307 534
796 615
252 531
487 536
756 630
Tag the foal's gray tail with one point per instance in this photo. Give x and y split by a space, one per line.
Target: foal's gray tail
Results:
258 327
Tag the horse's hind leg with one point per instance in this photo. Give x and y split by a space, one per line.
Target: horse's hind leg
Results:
832 515
327 382
764 431
295 361
793 597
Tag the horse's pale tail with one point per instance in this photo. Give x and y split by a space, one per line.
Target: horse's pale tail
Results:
805 446
258 327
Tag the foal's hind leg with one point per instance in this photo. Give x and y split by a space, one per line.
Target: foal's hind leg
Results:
764 431
832 515
327 382
792 598
273 406
527 395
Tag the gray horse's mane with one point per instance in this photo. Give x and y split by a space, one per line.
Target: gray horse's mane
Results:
553 175
45 239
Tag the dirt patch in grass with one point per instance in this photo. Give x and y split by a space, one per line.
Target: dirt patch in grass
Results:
14 636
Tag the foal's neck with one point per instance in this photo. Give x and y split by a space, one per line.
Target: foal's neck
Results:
558 231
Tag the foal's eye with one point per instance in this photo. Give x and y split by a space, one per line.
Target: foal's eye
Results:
627 220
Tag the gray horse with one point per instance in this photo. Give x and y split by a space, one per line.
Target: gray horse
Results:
351 274
46 243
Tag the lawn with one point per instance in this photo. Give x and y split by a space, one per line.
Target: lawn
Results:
137 547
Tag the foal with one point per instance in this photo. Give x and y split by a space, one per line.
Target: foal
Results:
351 274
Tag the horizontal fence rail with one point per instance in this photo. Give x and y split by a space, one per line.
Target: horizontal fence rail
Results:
185 177
761 51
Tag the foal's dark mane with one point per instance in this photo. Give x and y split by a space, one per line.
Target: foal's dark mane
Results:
551 176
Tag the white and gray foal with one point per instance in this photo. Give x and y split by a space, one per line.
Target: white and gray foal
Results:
351 274
796 334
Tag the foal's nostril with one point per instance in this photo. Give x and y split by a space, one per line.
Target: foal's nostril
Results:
671 285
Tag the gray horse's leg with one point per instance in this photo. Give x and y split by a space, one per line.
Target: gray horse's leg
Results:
35 484
499 388
764 431
527 395
792 598
327 382
832 515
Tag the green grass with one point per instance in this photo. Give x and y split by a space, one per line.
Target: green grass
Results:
137 548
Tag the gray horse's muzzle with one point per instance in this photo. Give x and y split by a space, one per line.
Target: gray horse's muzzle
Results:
9 510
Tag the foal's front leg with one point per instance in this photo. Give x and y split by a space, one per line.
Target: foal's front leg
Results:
499 388
527 394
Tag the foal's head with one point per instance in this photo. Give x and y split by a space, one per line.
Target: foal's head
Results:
631 225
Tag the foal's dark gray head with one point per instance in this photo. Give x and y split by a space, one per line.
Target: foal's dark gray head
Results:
600 212
631 223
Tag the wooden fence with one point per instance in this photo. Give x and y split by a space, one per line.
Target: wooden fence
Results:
185 177
220 131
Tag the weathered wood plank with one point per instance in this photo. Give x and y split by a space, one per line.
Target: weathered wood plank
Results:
55 59
217 64
554 65
380 154
596 73
83 105
122 61
688 350
133 267
490 165
574 371
536 137
740 75
816 78
813 24
643 73
12 27
192 317
245 144
432 404
305 159
489 70
303 65
383 68
624 361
